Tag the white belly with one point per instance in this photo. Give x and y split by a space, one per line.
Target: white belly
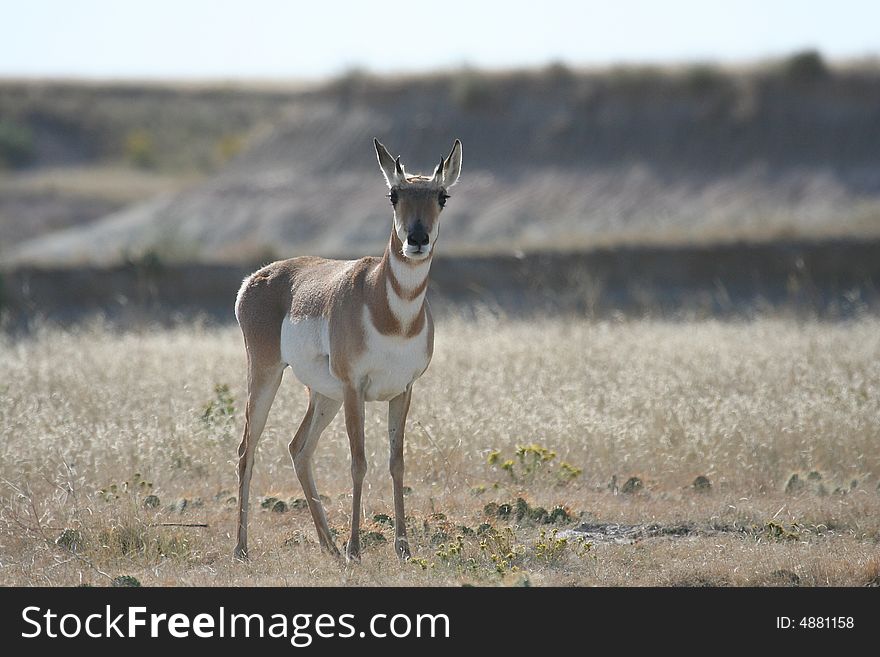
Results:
390 363
305 346
385 368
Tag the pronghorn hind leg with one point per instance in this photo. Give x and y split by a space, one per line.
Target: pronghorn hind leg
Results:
397 411
354 425
263 383
320 413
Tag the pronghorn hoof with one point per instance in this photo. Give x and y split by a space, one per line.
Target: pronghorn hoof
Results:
332 550
403 552
240 554
353 555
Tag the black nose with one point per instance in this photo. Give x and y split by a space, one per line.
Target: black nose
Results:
418 237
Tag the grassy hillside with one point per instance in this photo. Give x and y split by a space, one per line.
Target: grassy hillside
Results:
553 158
71 152
171 128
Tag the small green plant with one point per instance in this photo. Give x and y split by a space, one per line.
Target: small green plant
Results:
126 537
420 562
701 484
180 505
130 536
794 484
71 540
455 554
568 472
151 502
632 485
371 538
550 548
222 407
813 482
125 581
269 502
501 549
219 413
133 488
778 531
383 519
448 552
533 462
523 512
532 457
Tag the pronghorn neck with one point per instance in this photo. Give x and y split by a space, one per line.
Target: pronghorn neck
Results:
410 275
404 282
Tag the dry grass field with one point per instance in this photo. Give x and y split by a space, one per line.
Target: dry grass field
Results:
118 450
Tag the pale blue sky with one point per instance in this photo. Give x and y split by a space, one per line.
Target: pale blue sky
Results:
231 39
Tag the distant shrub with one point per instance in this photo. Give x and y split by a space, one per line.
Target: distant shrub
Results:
634 77
558 71
806 66
16 145
149 261
228 147
703 78
352 82
139 149
472 90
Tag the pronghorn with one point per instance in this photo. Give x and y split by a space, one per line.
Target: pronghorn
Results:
351 331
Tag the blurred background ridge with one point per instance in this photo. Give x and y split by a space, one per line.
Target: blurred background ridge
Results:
557 158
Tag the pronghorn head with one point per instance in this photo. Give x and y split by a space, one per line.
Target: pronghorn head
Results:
418 200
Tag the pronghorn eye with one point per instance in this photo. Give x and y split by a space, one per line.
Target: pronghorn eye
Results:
442 199
393 196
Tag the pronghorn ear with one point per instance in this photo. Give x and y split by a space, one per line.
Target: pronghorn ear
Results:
392 169
452 165
437 176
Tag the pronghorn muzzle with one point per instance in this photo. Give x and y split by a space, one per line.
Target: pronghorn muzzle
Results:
418 236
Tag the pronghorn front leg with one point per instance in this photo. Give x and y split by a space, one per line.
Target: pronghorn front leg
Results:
353 403
397 411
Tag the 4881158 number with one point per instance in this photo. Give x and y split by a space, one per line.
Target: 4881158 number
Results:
815 622
826 622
